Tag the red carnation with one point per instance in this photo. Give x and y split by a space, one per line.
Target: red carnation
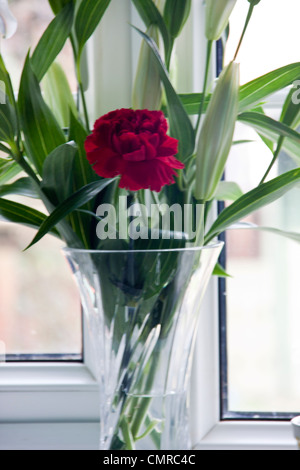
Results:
135 145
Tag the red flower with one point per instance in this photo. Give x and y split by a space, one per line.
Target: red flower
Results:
135 145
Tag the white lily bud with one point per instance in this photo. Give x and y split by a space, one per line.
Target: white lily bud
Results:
8 23
217 14
147 90
216 134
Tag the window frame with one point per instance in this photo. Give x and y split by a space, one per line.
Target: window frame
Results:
55 405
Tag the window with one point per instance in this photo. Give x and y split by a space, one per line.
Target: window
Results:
261 357
40 316
55 405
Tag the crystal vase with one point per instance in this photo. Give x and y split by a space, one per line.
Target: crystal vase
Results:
142 310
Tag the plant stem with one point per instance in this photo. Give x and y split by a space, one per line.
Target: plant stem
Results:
275 156
208 56
77 60
250 11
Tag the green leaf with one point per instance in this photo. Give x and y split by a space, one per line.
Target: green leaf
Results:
8 170
5 78
261 122
151 16
8 123
76 200
228 191
88 17
83 174
83 170
58 173
258 89
282 233
22 186
42 132
290 113
191 102
220 271
21 214
253 200
180 124
58 95
57 5
176 13
52 41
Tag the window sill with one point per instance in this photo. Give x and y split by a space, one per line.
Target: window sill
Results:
47 393
85 436
249 435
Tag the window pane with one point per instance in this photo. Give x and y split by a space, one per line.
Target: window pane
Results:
39 305
271 40
40 314
263 296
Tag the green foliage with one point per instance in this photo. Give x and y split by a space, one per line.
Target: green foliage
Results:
42 133
52 41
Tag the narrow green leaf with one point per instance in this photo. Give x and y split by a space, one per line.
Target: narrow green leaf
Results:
151 15
57 5
22 186
253 200
8 123
290 113
282 233
191 102
176 14
52 41
5 78
220 271
15 212
8 170
83 174
76 200
42 132
258 89
180 124
261 122
58 173
88 17
58 95
289 145
228 191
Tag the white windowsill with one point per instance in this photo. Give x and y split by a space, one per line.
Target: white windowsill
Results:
85 435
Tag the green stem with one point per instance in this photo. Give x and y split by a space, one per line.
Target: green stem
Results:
200 229
77 60
275 156
208 56
127 435
169 54
85 111
250 11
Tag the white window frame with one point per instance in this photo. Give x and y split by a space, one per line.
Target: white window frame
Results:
55 405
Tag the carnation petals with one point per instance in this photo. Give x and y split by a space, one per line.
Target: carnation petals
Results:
134 144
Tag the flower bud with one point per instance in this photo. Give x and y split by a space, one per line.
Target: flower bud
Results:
147 89
176 13
217 17
216 134
8 23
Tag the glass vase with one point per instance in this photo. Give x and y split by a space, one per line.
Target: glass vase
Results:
142 311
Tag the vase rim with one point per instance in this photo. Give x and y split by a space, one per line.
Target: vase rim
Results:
209 246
